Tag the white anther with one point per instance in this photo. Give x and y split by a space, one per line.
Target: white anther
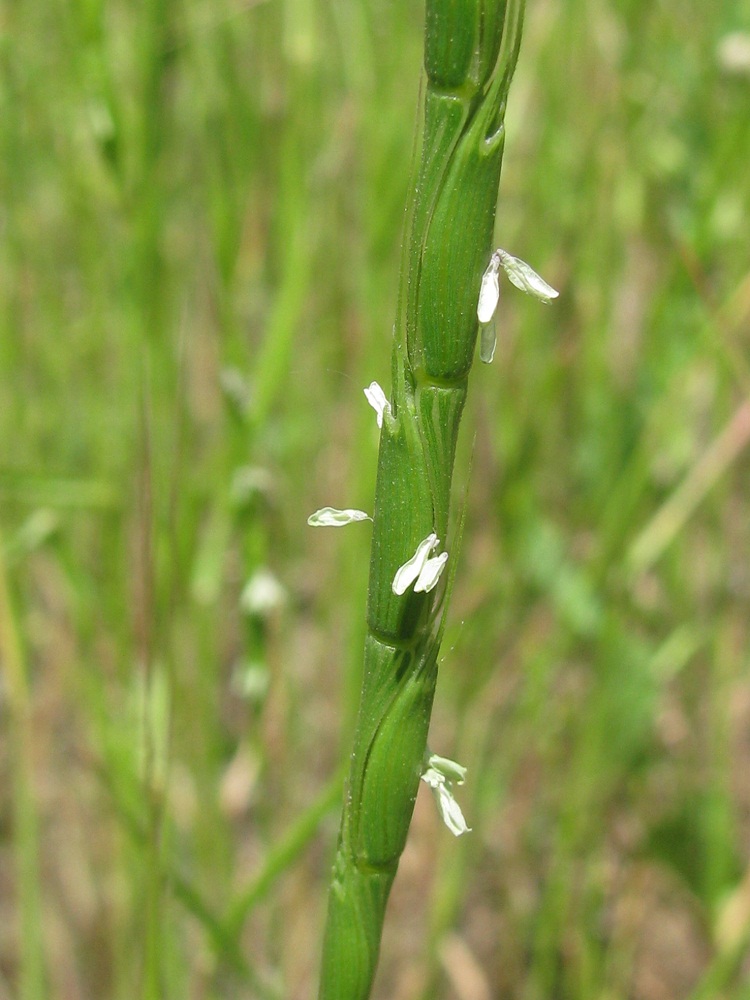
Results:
430 573
524 276
489 291
487 342
412 568
378 401
441 774
331 517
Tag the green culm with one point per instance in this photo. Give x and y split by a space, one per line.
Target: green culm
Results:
471 47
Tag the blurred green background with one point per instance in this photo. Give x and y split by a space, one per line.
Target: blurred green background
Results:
202 204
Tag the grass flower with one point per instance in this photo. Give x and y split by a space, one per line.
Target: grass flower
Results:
441 774
523 276
422 569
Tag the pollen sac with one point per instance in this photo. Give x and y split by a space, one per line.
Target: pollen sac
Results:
412 569
523 276
487 343
378 401
331 517
450 811
441 774
422 570
430 574
489 292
